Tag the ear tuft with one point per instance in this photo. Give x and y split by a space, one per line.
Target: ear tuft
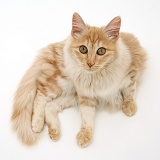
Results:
78 25
113 28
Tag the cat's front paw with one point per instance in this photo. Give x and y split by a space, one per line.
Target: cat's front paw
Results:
84 137
129 107
54 133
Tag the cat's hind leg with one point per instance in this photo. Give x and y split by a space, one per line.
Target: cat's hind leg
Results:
129 106
38 112
52 120
52 109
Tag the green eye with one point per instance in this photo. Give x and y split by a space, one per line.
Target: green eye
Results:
83 49
101 51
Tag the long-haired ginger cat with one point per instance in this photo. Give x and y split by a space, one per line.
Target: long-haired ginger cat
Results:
92 67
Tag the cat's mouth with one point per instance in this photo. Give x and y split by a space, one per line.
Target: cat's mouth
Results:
91 69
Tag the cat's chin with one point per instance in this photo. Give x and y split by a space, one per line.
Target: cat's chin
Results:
91 70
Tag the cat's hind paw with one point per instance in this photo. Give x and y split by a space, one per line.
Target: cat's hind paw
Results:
84 137
37 125
54 134
129 107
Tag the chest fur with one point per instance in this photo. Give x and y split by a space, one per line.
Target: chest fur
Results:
102 85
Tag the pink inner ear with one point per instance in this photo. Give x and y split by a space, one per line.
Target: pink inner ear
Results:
112 29
78 25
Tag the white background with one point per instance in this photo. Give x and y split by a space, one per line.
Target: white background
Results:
28 25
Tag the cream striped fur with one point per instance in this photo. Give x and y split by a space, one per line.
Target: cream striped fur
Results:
72 72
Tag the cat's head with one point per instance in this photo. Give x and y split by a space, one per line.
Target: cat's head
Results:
94 48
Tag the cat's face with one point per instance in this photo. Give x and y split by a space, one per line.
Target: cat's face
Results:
93 48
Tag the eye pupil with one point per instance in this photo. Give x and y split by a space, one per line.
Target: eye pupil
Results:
101 51
83 49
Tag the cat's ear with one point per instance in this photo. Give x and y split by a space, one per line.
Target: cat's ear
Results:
78 25
112 29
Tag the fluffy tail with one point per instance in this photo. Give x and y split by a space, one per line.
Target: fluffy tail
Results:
22 107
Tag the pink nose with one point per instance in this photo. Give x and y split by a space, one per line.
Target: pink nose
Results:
90 64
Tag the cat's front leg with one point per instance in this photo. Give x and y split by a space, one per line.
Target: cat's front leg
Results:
87 108
129 106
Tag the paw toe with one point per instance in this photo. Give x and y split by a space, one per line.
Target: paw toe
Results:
84 138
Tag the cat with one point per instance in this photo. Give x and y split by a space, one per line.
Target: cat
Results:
94 66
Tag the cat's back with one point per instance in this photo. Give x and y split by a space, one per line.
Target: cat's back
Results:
50 67
51 52
137 51
49 60
130 41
